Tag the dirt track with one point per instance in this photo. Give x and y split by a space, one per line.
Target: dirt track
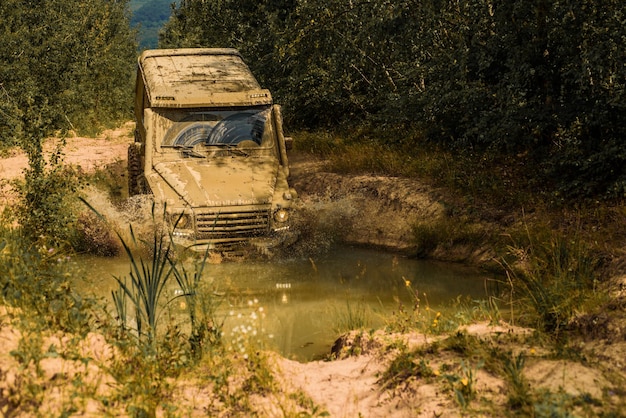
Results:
86 153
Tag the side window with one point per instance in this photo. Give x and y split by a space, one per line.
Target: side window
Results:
141 101
144 105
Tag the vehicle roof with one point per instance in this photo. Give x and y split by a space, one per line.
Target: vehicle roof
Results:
192 77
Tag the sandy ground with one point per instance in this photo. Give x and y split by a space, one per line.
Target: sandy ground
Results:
86 153
349 386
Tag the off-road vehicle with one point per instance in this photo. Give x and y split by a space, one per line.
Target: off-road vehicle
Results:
209 145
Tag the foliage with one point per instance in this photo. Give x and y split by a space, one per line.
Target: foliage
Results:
555 275
519 393
148 279
432 363
421 317
354 317
463 383
46 209
65 64
539 79
143 392
405 365
249 25
146 290
141 300
200 306
36 278
446 232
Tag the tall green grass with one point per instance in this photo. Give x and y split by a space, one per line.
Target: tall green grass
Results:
148 279
506 181
356 316
204 328
154 264
147 333
553 276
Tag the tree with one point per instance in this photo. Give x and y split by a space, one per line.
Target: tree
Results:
64 64
68 64
542 78
539 77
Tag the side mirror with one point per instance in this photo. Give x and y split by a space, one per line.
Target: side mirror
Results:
288 142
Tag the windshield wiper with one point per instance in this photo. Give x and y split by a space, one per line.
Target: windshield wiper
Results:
187 150
232 148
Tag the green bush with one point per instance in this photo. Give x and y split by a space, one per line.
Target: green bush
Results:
47 200
141 297
446 233
66 64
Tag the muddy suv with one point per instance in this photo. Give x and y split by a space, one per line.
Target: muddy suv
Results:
209 145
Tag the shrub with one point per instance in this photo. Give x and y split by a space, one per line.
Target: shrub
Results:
47 202
556 276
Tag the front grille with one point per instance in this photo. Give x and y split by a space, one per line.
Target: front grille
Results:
233 224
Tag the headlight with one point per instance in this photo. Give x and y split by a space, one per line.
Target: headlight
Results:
181 221
281 215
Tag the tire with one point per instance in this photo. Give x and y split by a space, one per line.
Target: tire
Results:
135 171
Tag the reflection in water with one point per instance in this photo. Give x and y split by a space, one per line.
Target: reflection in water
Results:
302 303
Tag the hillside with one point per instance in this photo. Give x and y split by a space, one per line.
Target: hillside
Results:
149 17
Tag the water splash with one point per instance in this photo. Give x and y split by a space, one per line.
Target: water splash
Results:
320 224
100 225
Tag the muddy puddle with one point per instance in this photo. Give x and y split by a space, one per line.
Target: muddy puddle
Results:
299 306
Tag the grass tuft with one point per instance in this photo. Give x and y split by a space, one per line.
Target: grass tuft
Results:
554 274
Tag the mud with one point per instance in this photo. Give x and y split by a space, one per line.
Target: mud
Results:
373 211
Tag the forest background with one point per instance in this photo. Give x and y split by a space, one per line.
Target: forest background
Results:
537 86
148 17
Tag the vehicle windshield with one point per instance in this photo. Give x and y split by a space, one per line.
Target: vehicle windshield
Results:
219 128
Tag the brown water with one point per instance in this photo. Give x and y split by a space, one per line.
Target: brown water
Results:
300 306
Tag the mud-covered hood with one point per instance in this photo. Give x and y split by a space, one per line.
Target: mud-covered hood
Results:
215 182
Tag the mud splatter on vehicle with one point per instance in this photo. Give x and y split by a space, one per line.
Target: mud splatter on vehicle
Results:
209 145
